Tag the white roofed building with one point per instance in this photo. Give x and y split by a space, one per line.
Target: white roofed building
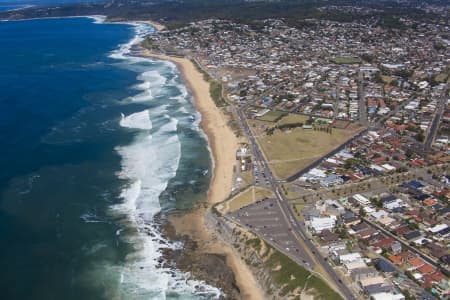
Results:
318 225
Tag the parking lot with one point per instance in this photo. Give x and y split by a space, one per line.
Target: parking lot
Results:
266 219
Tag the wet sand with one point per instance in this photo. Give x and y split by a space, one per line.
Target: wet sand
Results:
223 144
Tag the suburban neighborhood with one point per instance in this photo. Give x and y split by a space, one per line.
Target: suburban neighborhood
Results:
346 128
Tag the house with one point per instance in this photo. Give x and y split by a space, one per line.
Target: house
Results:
328 237
392 203
334 208
331 180
387 296
361 200
242 153
437 250
349 221
426 269
376 280
367 233
349 257
353 265
359 227
396 259
385 243
438 228
412 235
415 263
379 288
414 185
362 273
317 225
379 214
384 266
334 247
434 278
396 247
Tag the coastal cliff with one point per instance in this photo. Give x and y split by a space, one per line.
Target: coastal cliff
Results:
278 276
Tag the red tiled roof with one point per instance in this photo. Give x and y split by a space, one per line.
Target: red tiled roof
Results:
434 277
403 230
379 159
396 259
429 201
384 243
416 262
426 269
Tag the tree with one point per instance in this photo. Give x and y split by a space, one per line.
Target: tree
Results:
409 153
362 212
420 137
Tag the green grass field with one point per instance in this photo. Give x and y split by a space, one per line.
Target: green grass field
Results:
289 152
215 89
291 276
345 60
292 119
387 79
442 77
272 116
247 197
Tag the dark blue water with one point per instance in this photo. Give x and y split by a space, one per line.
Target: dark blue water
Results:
78 188
6 5
50 69
48 74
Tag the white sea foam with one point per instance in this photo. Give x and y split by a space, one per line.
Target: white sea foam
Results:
142 86
154 78
141 30
98 19
139 120
91 217
145 96
148 164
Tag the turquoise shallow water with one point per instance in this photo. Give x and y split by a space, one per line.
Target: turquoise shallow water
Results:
94 145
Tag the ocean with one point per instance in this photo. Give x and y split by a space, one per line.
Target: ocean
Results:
6 5
97 148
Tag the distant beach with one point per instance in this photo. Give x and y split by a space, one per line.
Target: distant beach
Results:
157 25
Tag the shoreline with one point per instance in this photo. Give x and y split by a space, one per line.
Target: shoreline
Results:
98 19
156 25
223 144
221 139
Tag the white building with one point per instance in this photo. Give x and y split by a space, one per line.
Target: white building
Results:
390 205
387 296
349 257
320 224
363 201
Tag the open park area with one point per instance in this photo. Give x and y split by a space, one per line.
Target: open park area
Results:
289 150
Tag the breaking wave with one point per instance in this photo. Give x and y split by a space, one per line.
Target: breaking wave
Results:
139 120
147 164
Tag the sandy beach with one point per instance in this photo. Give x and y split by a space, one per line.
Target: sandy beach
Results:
223 144
157 25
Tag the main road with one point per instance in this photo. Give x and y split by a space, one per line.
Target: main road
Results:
298 227
440 109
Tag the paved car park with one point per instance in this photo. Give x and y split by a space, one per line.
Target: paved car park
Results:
266 219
